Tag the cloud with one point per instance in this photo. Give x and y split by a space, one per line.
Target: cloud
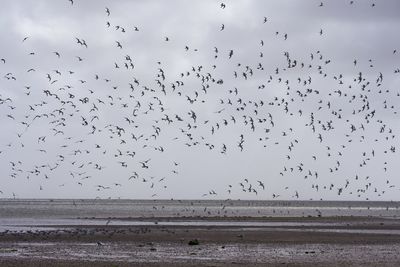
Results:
184 108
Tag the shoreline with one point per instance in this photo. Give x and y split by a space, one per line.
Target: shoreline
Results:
302 244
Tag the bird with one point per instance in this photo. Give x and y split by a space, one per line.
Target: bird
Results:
326 119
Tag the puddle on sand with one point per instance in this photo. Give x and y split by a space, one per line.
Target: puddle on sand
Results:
27 224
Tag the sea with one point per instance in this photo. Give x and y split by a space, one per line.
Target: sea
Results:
28 214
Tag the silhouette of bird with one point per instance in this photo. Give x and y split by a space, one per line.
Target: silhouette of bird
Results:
328 120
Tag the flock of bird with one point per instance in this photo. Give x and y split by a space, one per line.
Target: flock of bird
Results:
65 130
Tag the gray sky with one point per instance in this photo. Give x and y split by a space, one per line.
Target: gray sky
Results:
311 94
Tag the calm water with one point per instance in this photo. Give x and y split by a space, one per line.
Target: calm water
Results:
72 209
34 214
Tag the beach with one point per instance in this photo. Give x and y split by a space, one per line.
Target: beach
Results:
198 240
359 242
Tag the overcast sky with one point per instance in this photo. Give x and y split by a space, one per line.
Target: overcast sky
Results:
200 99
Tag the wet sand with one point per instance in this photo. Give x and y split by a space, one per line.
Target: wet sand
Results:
347 241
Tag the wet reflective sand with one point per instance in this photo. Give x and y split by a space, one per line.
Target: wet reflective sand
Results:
308 242
107 239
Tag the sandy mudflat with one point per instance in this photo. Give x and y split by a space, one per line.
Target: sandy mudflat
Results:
311 242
